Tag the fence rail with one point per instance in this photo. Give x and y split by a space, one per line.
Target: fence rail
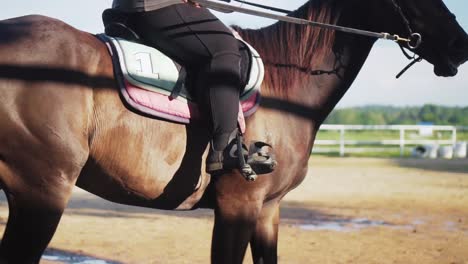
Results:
402 142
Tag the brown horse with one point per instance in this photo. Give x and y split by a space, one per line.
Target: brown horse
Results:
63 123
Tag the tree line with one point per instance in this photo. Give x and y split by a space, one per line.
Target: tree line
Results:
390 115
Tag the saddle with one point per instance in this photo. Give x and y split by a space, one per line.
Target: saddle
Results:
154 85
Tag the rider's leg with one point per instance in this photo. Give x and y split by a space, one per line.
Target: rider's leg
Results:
197 39
222 83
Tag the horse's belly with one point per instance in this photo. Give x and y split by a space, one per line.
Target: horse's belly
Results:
145 162
181 192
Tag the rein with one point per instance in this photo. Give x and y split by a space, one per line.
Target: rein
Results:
414 38
418 41
412 42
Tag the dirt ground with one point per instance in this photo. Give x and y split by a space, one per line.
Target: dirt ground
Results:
347 210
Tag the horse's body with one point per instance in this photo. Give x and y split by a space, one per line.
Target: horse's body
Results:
64 124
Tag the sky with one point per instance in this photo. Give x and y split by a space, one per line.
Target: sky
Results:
376 84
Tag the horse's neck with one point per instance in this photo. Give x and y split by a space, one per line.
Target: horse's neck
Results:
318 91
326 91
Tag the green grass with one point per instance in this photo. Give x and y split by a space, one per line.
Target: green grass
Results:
462 136
367 154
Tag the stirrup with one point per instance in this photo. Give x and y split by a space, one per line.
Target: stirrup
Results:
246 170
261 157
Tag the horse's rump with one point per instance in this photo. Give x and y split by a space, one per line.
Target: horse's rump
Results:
57 86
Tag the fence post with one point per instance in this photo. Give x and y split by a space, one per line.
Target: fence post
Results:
402 142
454 136
342 141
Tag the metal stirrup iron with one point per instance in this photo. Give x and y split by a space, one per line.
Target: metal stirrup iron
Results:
245 169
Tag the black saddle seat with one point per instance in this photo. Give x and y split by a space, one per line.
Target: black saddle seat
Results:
116 25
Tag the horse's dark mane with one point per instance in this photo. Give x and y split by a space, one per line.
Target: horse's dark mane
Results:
299 48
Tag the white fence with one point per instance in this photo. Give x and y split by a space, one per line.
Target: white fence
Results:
402 142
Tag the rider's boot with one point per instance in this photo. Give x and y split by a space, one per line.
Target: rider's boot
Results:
233 155
223 153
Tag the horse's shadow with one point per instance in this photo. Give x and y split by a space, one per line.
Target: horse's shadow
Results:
85 204
439 165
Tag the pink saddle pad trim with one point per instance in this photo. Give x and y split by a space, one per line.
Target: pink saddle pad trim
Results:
162 106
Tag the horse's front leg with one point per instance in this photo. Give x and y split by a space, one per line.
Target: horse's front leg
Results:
265 237
238 204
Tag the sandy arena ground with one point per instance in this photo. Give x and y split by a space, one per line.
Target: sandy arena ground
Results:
356 211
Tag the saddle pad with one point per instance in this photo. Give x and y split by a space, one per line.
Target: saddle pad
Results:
150 69
147 78
161 106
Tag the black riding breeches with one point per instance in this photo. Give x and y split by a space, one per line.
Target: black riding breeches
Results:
195 38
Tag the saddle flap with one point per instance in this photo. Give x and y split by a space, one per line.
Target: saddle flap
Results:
150 69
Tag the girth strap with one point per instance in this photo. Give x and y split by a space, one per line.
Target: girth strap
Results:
180 84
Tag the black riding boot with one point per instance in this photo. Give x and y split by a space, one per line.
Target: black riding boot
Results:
221 94
223 154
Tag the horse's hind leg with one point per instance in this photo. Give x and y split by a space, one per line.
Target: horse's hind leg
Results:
265 237
33 219
38 188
